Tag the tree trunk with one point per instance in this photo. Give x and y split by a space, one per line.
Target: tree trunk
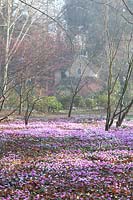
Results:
20 105
71 106
20 99
6 66
123 115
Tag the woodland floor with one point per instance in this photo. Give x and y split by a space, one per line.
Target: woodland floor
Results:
65 159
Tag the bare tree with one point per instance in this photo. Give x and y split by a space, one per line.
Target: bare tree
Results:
112 53
30 104
17 21
76 84
120 110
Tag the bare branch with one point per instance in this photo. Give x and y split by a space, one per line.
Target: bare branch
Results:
54 20
127 7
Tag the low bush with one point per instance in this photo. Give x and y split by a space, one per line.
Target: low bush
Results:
48 103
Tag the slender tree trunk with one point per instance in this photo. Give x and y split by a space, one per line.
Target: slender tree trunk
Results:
122 115
106 22
71 106
6 66
20 98
20 105
108 115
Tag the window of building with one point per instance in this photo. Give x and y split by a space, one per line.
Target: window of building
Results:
79 71
63 74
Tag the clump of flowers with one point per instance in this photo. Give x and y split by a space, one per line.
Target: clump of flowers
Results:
65 160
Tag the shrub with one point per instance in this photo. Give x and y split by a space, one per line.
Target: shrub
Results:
79 102
49 104
41 105
12 100
102 100
65 101
90 103
53 104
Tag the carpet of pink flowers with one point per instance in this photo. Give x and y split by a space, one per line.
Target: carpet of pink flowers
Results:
65 160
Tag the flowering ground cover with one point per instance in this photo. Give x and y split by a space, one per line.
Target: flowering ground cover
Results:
63 159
